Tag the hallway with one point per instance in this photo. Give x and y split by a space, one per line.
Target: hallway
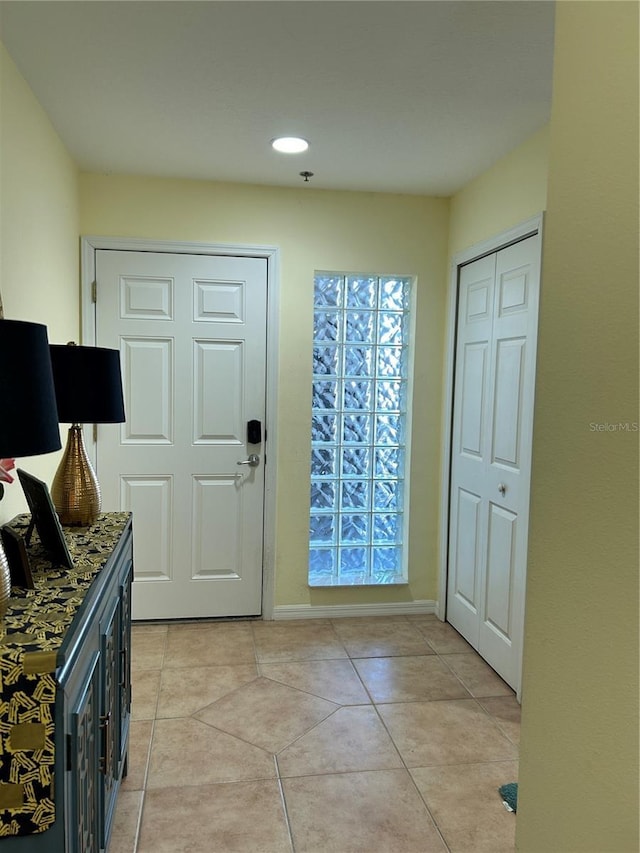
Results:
386 734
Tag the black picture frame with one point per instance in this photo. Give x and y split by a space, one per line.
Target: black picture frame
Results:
45 519
17 557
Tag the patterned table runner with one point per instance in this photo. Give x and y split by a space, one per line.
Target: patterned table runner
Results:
31 635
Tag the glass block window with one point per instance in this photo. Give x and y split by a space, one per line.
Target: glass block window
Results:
359 405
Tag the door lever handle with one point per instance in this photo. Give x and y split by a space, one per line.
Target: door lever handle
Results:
253 461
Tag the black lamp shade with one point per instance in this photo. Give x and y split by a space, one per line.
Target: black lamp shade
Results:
88 384
28 417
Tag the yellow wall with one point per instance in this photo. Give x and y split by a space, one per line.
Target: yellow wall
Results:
579 752
314 229
511 191
38 233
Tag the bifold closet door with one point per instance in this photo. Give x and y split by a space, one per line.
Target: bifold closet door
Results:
491 452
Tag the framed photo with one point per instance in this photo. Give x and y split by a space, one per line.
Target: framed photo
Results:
45 519
17 557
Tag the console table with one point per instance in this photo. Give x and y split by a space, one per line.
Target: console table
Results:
65 693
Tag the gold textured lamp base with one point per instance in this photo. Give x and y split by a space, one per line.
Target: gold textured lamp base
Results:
75 491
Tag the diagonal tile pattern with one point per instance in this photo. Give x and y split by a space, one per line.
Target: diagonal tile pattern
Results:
266 713
388 734
188 752
186 690
353 738
335 680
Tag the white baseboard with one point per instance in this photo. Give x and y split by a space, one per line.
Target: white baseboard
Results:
335 611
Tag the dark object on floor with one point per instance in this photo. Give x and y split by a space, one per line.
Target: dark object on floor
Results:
509 794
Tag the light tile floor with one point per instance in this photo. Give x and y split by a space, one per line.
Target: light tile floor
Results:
384 735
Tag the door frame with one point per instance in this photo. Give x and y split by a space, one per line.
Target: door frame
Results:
529 228
90 244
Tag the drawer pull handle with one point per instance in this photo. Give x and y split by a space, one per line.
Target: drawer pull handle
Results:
124 681
105 758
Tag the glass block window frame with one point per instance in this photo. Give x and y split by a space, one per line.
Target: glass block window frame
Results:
359 433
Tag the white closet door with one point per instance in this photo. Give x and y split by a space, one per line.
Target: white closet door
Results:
491 452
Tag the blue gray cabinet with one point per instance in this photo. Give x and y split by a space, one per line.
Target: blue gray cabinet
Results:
80 667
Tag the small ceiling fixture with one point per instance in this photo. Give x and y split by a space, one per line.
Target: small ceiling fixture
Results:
306 176
290 144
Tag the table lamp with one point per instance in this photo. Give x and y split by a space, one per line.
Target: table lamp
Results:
88 389
28 417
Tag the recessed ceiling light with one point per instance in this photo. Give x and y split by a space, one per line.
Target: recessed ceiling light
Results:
290 144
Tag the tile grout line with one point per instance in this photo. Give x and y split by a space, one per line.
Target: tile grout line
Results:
136 836
145 777
283 800
439 830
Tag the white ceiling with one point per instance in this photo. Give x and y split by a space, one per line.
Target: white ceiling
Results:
413 97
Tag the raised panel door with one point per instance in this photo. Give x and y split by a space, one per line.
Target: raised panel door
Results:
191 330
491 452
469 446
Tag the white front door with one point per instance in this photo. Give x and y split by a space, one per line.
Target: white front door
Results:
191 330
491 452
